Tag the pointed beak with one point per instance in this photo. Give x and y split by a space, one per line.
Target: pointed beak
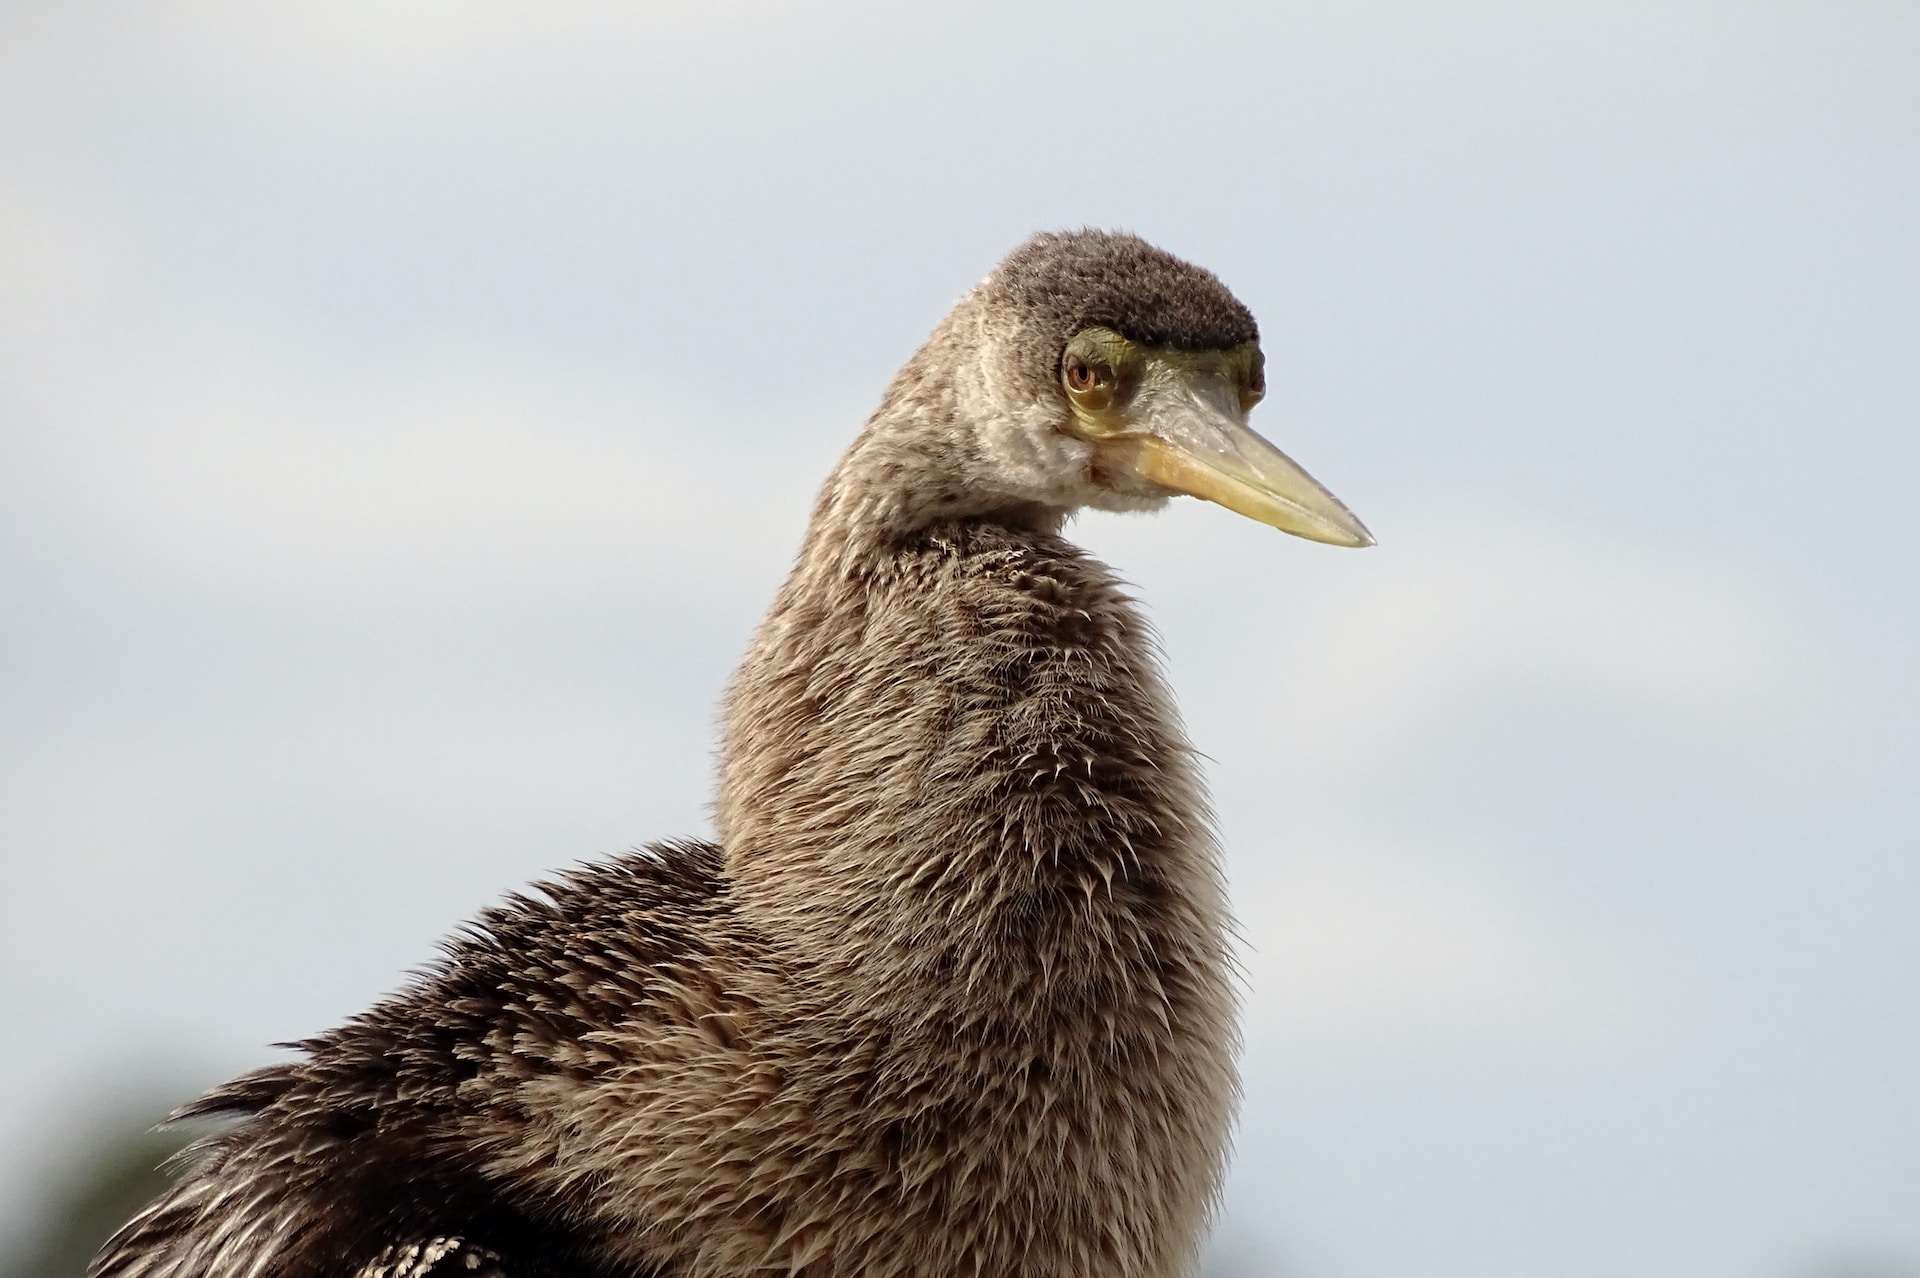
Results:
1184 438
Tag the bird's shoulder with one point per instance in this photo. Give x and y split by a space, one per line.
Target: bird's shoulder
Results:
360 1160
528 985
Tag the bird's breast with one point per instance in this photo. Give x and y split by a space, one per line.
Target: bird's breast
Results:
975 930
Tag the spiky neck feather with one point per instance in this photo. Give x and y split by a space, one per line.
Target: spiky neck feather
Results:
957 807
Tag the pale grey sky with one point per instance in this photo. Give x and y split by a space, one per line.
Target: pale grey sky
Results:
407 408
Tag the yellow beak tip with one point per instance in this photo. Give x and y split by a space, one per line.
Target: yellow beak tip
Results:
1355 538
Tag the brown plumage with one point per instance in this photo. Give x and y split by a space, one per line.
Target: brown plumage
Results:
950 993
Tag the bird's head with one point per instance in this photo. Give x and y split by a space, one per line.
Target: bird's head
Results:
1089 369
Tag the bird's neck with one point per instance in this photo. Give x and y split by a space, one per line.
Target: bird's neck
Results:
951 760
953 442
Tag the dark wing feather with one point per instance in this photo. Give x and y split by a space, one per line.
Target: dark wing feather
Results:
437 1258
359 1161
309 1203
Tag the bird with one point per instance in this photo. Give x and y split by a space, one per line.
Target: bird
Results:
950 992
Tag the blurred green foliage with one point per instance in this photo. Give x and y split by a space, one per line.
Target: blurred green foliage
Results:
102 1185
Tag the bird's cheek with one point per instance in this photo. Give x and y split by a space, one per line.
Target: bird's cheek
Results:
1108 472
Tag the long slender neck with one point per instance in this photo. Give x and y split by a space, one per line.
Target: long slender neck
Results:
951 762
978 896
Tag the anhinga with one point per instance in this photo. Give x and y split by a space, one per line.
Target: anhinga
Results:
950 993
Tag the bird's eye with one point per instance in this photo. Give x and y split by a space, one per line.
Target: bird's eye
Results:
1082 376
1255 388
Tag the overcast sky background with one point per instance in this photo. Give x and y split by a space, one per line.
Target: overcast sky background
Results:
406 410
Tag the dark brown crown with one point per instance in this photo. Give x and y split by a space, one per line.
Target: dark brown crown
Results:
1061 283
